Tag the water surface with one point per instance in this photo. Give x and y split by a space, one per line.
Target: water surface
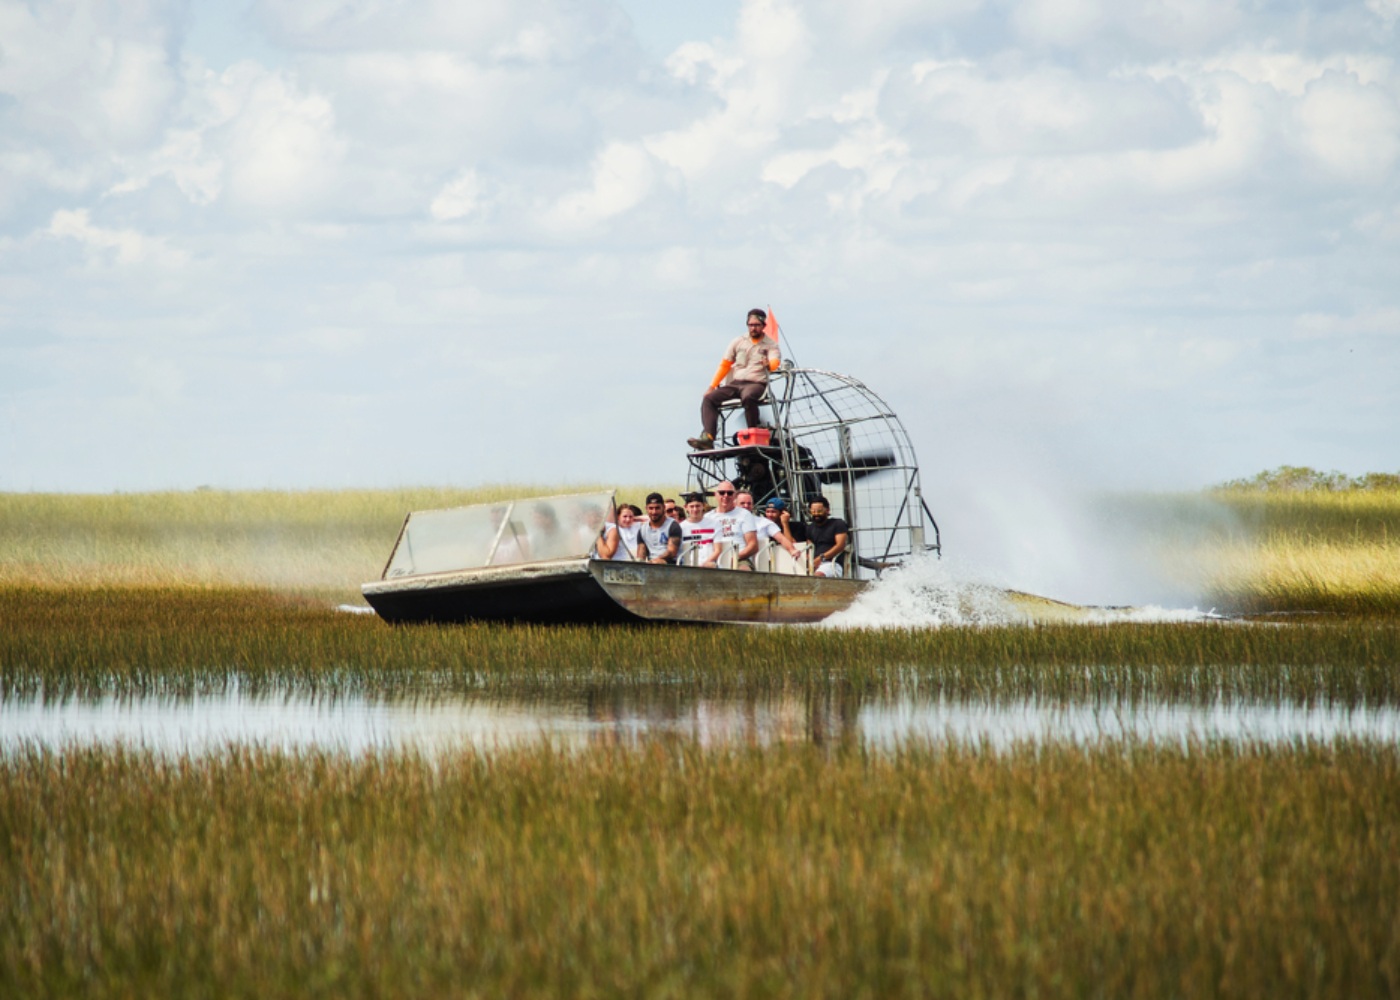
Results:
354 723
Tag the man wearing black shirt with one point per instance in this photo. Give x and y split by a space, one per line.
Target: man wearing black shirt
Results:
828 535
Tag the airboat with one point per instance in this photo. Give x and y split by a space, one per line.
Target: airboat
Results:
531 560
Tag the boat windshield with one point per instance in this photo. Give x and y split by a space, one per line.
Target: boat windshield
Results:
499 534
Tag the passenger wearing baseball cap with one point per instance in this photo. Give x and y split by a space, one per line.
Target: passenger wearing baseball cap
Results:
660 534
697 533
776 512
767 529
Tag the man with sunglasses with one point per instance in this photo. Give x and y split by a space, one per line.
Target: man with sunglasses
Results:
747 363
735 528
829 537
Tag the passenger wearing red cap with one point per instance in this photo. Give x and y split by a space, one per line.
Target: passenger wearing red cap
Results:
747 363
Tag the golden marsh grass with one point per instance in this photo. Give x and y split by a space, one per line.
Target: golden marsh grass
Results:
1254 552
1245 550
318 541
795 871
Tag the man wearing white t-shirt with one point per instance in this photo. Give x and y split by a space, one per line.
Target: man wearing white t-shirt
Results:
735 528
768 530
697 533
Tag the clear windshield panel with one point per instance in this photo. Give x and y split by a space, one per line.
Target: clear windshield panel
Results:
499 534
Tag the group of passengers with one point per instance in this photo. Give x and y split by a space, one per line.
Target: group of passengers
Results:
730 532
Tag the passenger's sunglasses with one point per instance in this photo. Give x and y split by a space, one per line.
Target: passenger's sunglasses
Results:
724 493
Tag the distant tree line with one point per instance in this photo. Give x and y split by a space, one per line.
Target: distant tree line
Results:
1301 479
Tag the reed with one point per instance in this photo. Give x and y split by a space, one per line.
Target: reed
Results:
1255 552
1241 548
316 541
1120 869
178 641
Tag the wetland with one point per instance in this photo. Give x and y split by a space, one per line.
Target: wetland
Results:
214 782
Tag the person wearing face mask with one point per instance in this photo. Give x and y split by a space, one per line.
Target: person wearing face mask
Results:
829 537
747 363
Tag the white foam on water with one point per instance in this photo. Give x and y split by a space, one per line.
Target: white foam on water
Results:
924 593
927 592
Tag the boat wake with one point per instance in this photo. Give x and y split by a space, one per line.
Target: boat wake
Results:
926 593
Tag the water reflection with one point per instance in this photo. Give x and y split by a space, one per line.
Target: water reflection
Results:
357 724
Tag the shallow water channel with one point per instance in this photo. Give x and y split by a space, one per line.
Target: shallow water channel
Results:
353 723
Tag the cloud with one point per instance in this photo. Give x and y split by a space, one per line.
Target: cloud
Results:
1388 11
1353 129
623 177
86 74
1144 27
530 31
1047 227
120 246
279 142
461 197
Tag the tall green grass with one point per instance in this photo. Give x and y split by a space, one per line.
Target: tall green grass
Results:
1118 870
180 641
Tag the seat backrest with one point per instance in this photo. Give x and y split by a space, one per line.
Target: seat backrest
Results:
780 562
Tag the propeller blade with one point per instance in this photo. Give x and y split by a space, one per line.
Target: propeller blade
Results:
859 467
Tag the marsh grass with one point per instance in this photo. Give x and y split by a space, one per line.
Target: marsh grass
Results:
1249 551
177 641
319 541
669 869
1240 548
1114 870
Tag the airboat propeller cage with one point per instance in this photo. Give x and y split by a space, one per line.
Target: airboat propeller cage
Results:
831 437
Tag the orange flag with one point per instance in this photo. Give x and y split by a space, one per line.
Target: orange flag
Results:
770 328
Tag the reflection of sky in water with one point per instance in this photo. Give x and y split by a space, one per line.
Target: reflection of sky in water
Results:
356 724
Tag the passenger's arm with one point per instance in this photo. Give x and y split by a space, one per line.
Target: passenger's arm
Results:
750 546
607 545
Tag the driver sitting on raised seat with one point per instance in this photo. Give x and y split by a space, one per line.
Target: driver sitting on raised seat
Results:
747 362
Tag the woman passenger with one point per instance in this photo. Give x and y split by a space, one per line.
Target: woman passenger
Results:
619 541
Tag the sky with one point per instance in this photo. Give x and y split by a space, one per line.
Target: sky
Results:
1084 244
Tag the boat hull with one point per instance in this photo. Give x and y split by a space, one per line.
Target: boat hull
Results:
605 592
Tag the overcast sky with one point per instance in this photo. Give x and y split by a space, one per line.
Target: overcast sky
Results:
301 243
